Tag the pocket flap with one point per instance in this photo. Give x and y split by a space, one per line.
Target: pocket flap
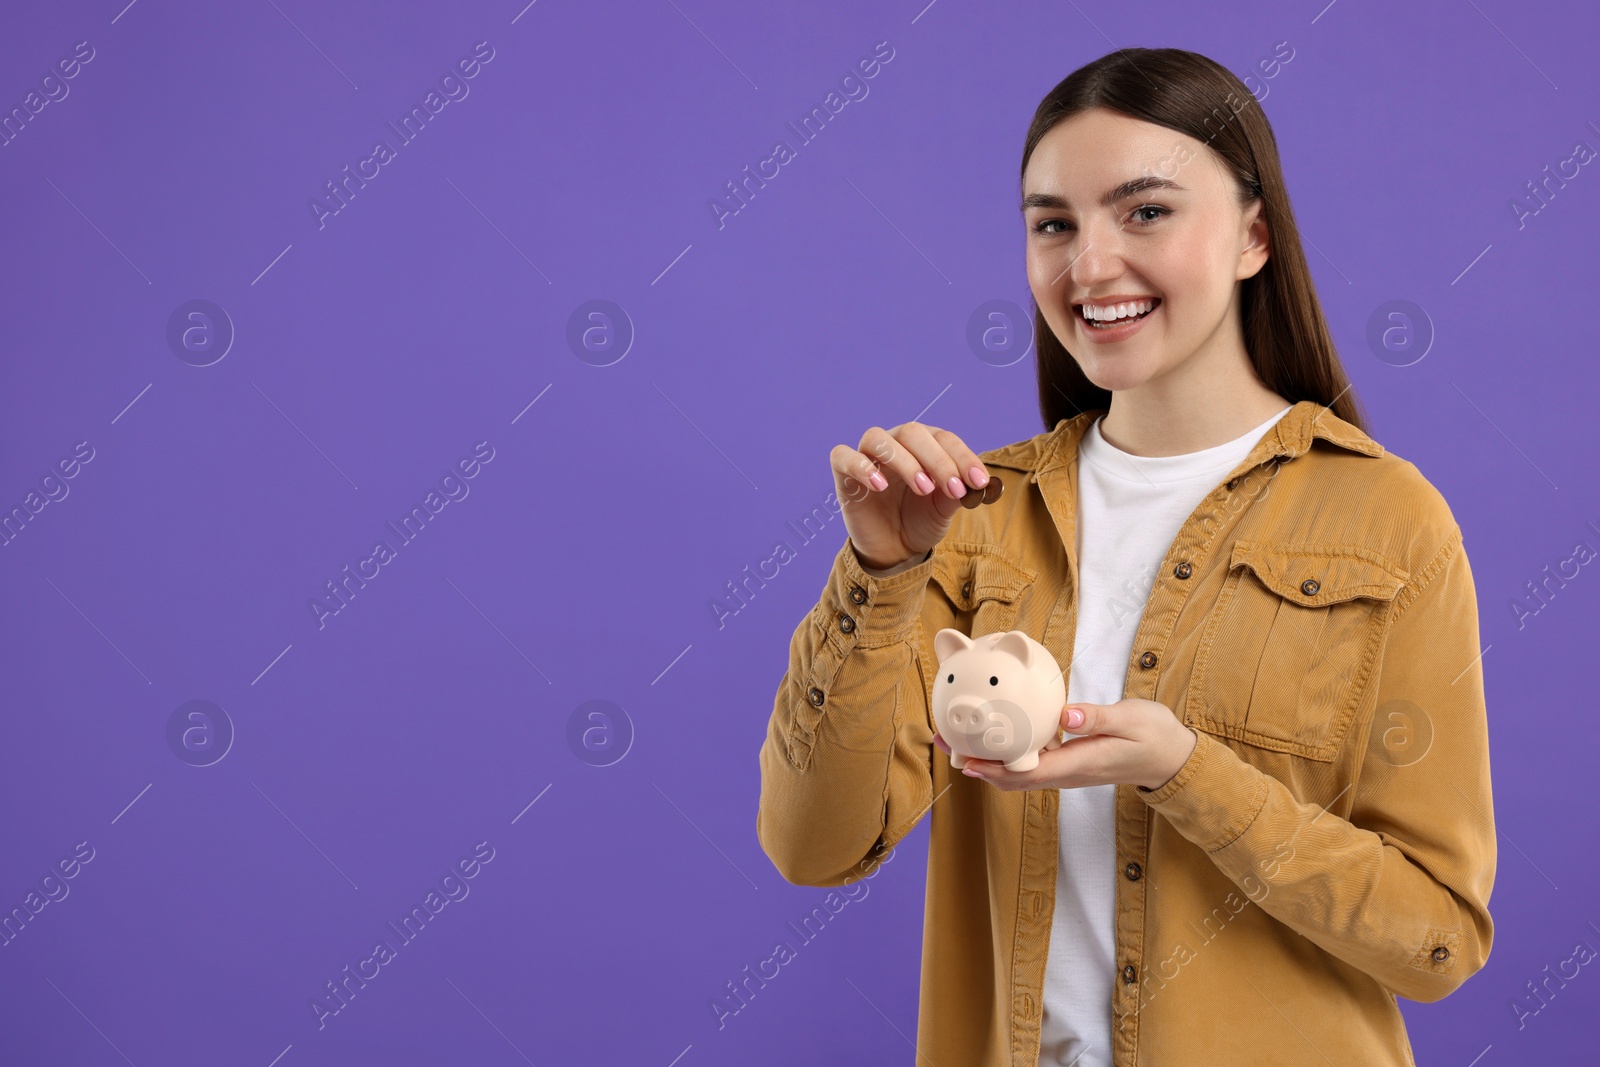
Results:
1313 575
970 572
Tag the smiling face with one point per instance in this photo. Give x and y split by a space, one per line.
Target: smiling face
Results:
1126 212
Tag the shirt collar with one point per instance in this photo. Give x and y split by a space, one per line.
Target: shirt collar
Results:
1056 472
1289 437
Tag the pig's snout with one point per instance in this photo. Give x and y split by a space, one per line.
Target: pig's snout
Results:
989 722
964 712
971 715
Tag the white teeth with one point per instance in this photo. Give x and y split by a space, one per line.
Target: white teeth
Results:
1117 311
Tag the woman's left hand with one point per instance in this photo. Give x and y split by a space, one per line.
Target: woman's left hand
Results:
1132 742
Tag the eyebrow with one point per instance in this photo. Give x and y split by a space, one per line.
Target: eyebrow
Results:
1128 188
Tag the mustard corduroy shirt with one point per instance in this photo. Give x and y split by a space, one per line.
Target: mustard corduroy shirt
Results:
1328 846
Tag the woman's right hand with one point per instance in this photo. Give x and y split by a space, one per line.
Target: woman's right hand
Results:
900 488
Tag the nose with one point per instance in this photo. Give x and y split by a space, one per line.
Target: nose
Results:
966 713
1095 258
994 722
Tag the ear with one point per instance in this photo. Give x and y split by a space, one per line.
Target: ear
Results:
1258 248
948 642
1015 643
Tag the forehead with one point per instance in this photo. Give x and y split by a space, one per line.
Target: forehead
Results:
1082 157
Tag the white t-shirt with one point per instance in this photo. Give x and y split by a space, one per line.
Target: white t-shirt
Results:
1129 510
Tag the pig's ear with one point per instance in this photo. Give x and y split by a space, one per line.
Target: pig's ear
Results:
948 642
1015 643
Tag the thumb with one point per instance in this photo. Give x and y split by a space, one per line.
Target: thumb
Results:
1080 719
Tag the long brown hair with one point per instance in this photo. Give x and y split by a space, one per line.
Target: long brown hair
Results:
1284 329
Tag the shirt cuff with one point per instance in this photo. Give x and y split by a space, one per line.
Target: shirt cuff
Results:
880 609
889 572
1213 798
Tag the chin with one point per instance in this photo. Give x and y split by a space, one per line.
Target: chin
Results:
1117 374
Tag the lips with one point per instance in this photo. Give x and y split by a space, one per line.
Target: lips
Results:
1119 331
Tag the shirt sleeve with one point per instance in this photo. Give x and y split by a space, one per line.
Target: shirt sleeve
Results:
1401 888
846 767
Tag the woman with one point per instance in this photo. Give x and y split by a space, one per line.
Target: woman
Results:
1272 811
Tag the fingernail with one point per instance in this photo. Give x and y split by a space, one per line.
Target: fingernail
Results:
957 488
971 772
878 481
979 478
1074 717
924 483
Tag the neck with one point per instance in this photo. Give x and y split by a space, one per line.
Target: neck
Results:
1211 398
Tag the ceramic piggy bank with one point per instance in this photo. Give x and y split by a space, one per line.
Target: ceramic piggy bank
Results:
997 697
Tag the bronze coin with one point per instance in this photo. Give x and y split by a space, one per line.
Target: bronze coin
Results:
987 495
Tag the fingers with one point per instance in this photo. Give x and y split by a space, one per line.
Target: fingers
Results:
927 458
856 474
890 454
995 773
930 448
866 465
971 468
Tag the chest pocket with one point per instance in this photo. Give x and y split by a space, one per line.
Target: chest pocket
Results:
1291 644
983 584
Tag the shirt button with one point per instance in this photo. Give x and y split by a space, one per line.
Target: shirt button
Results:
1232 482
1310 586
847 624
1183 570
1129 975
1147 660
1441 953
966 590
816 697
1132 871
858 595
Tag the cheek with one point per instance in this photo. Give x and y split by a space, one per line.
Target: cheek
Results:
1048 264
1040 271
1181 273
1046 281
1196 264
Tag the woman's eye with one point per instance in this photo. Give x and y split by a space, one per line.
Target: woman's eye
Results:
1043 226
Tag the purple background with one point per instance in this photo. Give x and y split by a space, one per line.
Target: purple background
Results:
437 708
